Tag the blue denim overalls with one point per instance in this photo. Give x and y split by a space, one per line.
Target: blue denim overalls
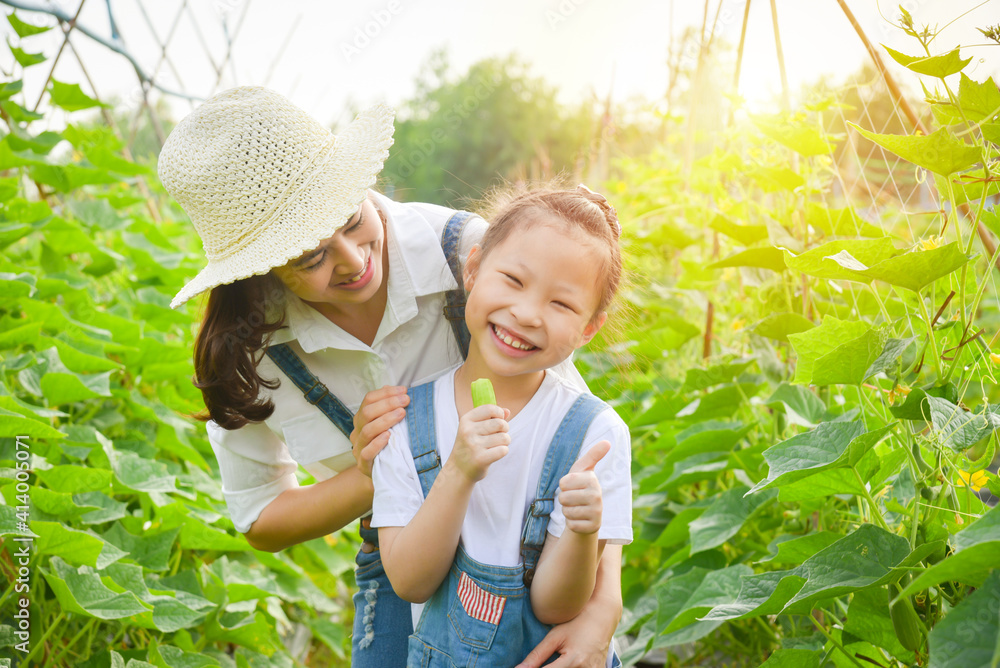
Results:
481 614
382 620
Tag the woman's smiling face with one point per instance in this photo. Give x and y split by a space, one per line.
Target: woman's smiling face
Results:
346 268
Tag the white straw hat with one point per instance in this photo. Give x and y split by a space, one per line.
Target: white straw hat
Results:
263 182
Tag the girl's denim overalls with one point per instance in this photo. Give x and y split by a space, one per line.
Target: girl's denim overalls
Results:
481 614
382 620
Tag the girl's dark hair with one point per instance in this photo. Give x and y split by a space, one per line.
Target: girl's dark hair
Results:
581 209
234 334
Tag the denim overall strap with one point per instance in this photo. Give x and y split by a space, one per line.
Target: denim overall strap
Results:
454 310
312 388
563 451
423 437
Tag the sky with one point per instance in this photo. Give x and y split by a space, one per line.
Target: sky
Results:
330 56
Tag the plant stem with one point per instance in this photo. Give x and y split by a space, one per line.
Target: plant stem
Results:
930 331
86 627
836 643
41 641
875 512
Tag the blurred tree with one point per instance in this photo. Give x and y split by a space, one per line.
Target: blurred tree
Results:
460 136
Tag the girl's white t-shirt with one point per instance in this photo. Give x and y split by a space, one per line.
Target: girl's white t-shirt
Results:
491 532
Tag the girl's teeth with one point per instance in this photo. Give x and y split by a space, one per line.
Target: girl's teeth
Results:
511 341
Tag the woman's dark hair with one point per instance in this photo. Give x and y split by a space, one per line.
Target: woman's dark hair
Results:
234 334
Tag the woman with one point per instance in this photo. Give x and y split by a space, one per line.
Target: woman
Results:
326 299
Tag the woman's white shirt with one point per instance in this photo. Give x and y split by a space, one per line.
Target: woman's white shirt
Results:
414 344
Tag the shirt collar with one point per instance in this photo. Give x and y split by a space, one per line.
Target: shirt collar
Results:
417 267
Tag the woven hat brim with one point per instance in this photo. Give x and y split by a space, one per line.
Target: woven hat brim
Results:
329 198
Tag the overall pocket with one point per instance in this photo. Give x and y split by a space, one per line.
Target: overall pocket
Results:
475 613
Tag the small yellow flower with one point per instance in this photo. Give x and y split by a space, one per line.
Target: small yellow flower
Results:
728 273
995 358
930 244
898 392
738 324
974 480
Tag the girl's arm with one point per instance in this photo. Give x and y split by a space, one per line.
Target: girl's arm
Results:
303 513
417 556
567 568
583 642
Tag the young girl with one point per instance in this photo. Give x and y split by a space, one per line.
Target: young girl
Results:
463 503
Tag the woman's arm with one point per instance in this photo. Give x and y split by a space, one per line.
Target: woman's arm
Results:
303 513
583 641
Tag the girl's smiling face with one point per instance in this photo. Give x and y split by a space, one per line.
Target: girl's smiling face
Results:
344 269
532 299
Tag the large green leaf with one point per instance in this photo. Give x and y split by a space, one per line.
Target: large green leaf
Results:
830 445
960 429
766 257
778 326
745 234
822 261
25 29
725 517
25 59
170 611
76 547
868 619
793 658
801 405
969 635
81 591
867 557
682 599
792 549
71 97
838 351
940 152
940 66
150 550
71 479
840 222
979 100
803 138
15 423
700 379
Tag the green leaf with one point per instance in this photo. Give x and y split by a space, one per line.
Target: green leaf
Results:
76 547
169 613
977 551
725 517
940 66
865 558
803 138
894 349
680 600
940 152
15 423
745 234
827 261
71 97
840 222
778 326
70 479
838 351
969 635
81 591
793 658
957 428
828 446
701 379
766 257
979 100
919 268
791 549
10 525
801 405
24 58
151 551
19 113
25 29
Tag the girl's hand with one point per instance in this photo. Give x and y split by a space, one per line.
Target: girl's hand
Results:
580 492
482 439
581 642
380 410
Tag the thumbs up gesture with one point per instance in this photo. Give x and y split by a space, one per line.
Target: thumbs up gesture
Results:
580 492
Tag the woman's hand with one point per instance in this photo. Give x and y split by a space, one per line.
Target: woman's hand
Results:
380 410
581 642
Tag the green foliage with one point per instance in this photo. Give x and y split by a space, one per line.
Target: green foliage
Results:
134 559
846 465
